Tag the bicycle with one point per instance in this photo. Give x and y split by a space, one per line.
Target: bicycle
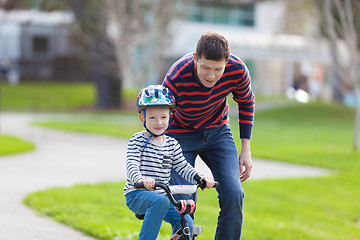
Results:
182 206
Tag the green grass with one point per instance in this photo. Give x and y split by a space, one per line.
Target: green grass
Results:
97 210
100 210
110 129
315 134
11 145
51 96
321 208
122 125
306 209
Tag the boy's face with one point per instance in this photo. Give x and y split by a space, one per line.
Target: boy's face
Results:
209 71
157 119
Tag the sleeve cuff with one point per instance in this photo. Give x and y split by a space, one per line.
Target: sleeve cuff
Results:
245 131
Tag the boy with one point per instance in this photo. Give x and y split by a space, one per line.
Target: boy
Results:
150 157
200 83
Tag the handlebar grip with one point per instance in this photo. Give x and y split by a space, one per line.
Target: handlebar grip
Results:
202 183
139 185
197 178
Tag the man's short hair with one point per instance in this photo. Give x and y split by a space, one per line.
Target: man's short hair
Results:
213 46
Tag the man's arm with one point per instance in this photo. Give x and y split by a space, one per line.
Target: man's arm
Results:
245 160
245 98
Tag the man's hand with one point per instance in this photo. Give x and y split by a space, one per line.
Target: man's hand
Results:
245 161
209 181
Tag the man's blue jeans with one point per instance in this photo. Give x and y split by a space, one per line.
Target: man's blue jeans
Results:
156 208
217 149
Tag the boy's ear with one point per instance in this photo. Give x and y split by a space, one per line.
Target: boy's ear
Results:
141 117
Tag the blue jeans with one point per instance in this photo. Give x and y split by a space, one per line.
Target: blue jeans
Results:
217 149
156 208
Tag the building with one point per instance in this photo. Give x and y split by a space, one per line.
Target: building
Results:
280 48
35 41
259 35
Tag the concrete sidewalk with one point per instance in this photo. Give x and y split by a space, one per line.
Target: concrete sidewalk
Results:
65 159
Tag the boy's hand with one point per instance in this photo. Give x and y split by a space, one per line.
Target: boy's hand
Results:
209 181
149 183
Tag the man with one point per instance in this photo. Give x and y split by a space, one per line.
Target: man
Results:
201 82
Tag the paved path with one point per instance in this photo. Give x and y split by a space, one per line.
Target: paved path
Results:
65 159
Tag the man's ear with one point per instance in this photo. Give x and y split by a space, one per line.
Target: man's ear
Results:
195 61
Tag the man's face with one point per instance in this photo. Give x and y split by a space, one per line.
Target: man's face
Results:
209 71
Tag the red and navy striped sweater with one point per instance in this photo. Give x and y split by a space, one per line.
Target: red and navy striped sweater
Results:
199 107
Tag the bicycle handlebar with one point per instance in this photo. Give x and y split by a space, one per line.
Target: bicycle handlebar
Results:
140 185
201 183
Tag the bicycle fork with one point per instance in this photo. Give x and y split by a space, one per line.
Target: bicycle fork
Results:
184 232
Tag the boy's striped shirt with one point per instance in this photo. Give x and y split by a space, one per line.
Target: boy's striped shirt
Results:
155 161
200 107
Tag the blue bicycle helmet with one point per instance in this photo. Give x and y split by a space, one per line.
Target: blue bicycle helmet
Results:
155 96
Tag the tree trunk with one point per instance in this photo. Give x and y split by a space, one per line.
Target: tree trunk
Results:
105 74
99 51
108 92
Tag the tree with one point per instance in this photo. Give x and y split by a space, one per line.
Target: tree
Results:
90 31
126 41
122 41
340 19
94 47
139 30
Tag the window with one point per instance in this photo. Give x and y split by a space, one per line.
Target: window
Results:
219 13
40 44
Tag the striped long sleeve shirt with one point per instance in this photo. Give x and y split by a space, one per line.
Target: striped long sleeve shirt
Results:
199 107
155 161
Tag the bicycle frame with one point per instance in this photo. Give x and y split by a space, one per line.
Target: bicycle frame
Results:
182 206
